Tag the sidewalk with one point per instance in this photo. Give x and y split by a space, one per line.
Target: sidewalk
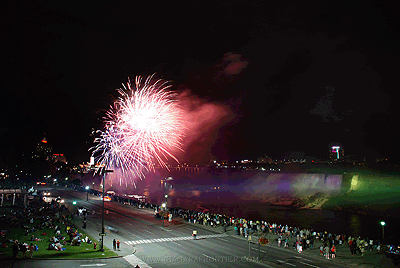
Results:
343 255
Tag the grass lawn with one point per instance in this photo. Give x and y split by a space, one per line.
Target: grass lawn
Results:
85 250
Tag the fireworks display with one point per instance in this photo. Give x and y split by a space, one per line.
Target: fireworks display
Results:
143 128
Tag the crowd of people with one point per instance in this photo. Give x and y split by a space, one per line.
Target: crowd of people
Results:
300 239
37 218
287 236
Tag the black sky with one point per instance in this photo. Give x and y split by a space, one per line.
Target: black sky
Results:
294 76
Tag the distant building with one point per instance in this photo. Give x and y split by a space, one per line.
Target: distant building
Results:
43 150
59 158
225 162
381 159
265 159
336 153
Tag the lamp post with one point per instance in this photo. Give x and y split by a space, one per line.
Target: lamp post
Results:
164 205
102 210
87 193
383 229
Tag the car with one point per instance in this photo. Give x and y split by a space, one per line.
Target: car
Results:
112 229
106 198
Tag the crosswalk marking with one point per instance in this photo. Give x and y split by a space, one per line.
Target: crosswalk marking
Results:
169 239
133 260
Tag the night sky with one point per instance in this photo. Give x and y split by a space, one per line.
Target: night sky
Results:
276 78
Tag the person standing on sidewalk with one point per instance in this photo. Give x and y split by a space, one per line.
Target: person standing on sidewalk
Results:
333 249
351 247
118 244
114 244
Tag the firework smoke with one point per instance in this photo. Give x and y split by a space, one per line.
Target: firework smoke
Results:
142 129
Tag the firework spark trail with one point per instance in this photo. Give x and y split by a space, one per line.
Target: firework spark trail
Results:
143 127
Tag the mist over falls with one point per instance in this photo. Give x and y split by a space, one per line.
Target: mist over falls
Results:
201 188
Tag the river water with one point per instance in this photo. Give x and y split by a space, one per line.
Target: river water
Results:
319 220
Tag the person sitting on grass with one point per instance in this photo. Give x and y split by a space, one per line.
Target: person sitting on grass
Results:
76 241
51 246
4 233
58 246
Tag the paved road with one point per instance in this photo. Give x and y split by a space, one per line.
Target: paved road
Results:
173 246
146 243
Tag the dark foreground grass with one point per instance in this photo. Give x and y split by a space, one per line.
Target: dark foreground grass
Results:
84 251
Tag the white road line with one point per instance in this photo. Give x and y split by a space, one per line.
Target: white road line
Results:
133 260
168 239
309 264
176 243
209 257
129 223
260 250
148 231
286 263
303 258
222 239
97 264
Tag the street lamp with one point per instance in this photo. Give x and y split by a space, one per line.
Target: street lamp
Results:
87 193
102 211
383 229
163 213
